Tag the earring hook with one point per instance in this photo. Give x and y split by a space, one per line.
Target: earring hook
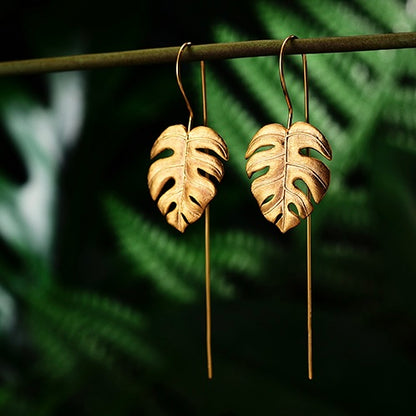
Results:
283 83
178 78
309 224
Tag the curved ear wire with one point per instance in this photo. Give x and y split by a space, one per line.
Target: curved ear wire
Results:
285 151
179 80
187 165
283 82
309 217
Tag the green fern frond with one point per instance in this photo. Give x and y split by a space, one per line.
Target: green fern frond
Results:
400 117
336 265
174 265
391 15
260 76
241 252
56 357
350 83
343 19
143 245
350 209
231 252
101 329
401 99
402 141
280 22
340 18
12 403
233 122
102 307
343 88
406 61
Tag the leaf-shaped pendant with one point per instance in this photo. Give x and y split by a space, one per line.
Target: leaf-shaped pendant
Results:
195 160
278 150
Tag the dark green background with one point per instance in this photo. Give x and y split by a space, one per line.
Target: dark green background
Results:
106 316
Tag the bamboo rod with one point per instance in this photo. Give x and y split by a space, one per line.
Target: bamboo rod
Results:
209 52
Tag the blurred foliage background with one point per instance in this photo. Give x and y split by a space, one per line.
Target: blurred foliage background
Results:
102 303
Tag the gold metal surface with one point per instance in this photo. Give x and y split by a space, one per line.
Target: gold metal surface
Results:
196 155
278 150
280 157
179 80
308 231
185 201
207 241
309 291
283 82
208 291
185 162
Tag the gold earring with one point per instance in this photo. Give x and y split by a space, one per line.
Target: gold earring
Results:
285 153
182 181
196 156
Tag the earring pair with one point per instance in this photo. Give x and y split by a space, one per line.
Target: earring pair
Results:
186 160
197 155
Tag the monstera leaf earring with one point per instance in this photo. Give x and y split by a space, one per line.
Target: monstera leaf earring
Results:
280 156
187 164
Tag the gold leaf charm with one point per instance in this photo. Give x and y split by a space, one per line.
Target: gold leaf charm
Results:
278 150
195 160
